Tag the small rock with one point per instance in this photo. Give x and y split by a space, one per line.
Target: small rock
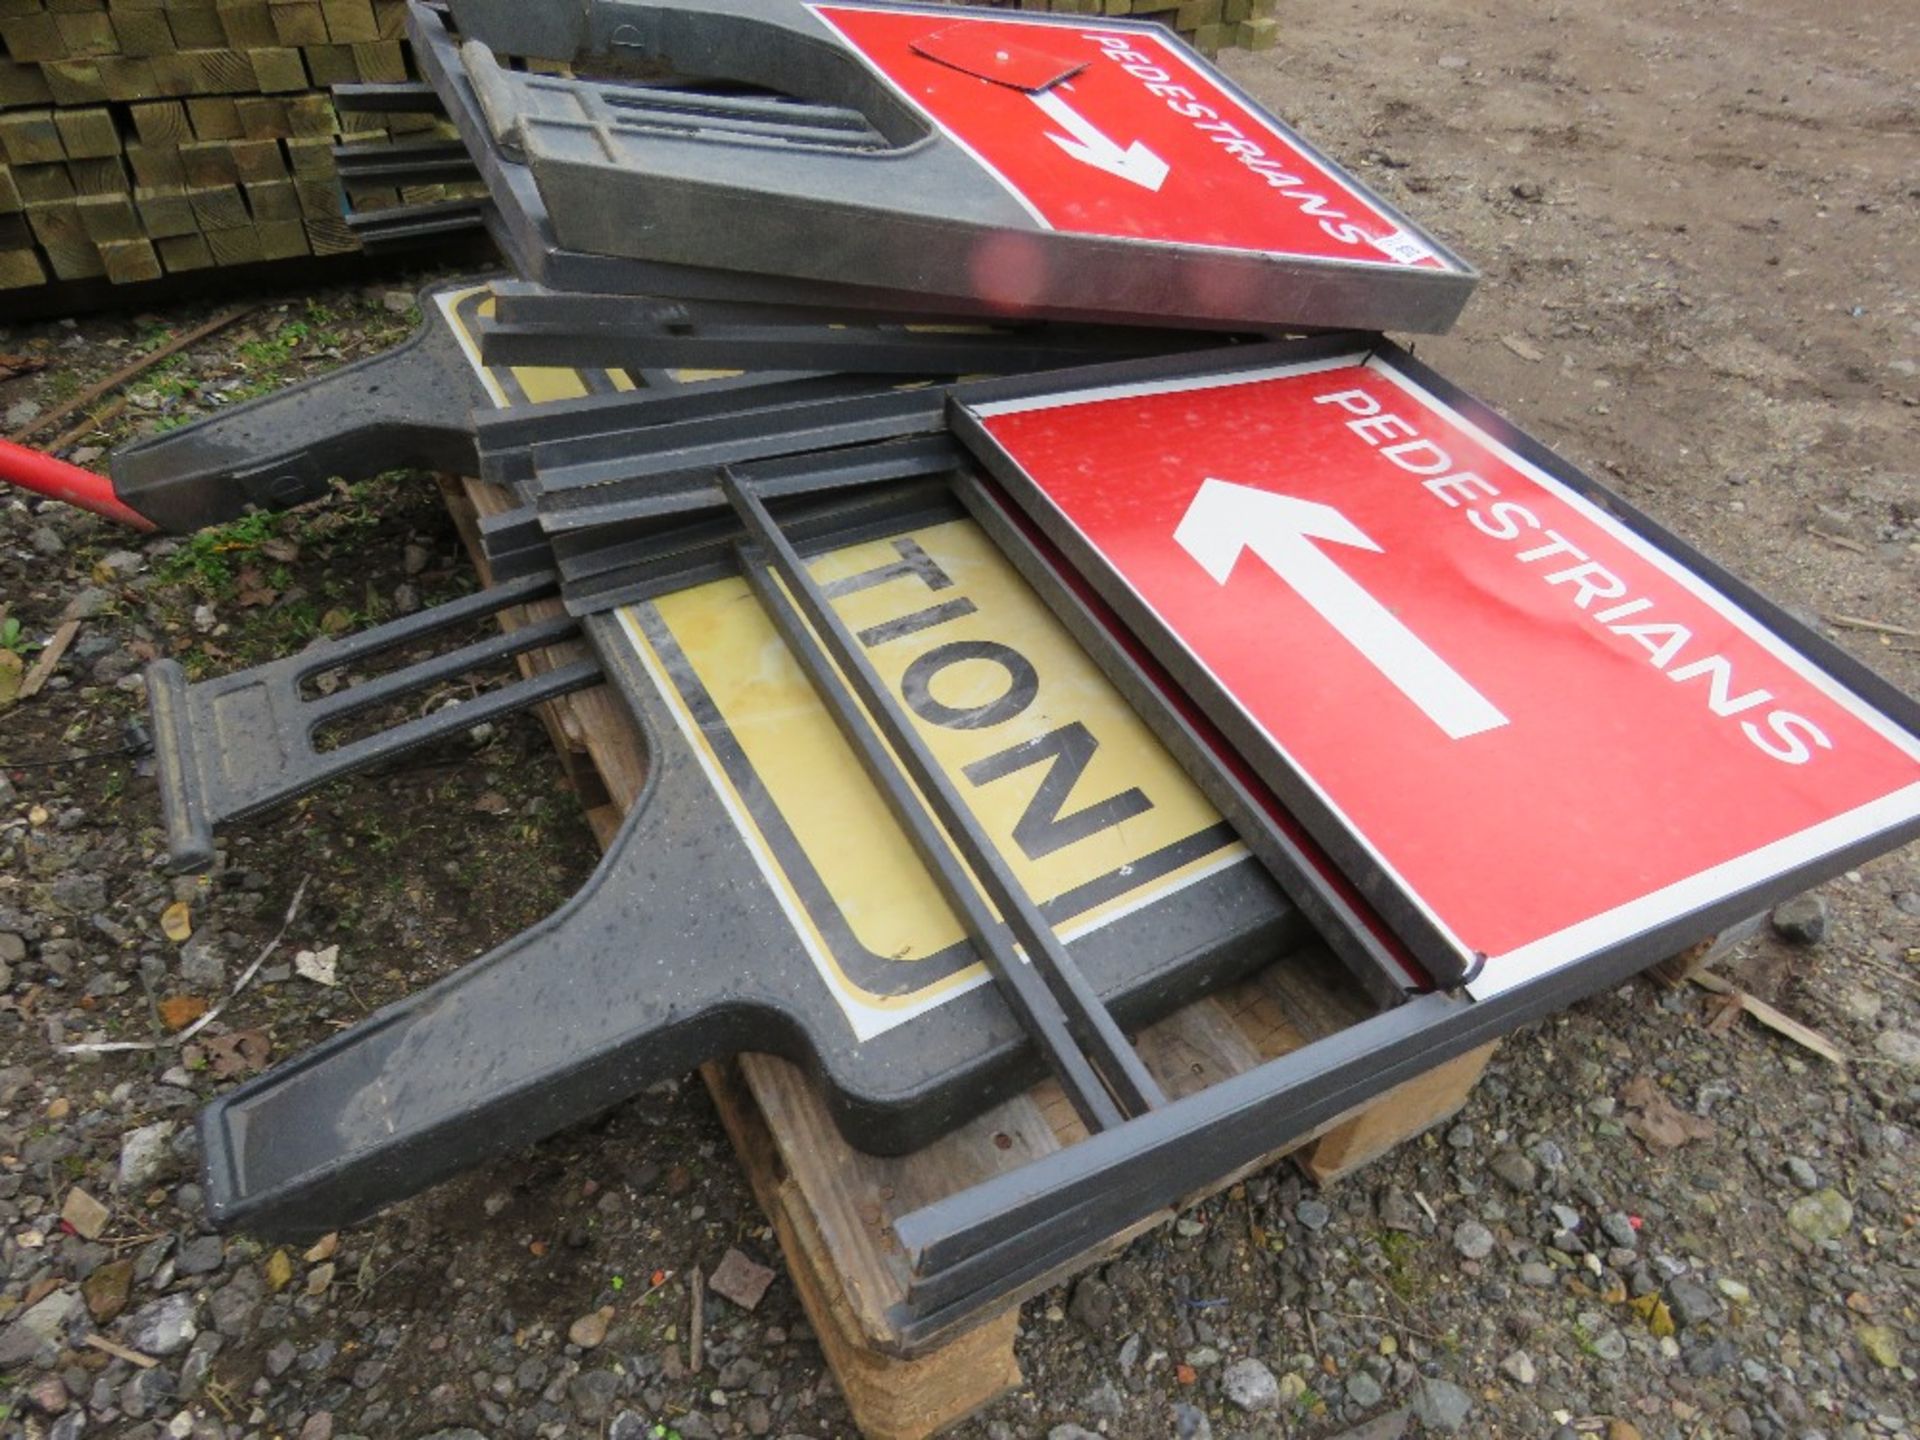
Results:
1518 1367
741 1280
319 1426
1441 1406
164 1327
589 1332
1801 1174
44 1324
201 964
1803 919
1607 1343
1250 1385
1398 1212
1861 1004
1900 1046
1619 1229
1105 1401
1364 1391
1821 1216
1881 1344
1092 1304
1473 1240
396 302
86 1215
281 1357
1313 1214
145 1391
201 1255
1515 1171
107 1290
1735 1292
1692 1303
1190 1423
1539 1275
594 1393
145 1155
49 1395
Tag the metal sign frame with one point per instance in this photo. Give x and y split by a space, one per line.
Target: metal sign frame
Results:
1018 1232
411 1095
913 205
1410 920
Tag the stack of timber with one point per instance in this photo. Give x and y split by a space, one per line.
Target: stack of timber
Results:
142 138
1210 26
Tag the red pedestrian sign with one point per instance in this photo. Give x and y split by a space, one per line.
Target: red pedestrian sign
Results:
1530 726
1121 131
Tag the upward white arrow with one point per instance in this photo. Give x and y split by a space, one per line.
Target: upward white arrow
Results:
1091 146
1225 519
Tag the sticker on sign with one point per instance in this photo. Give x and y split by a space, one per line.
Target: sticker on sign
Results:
1123 132
1533 727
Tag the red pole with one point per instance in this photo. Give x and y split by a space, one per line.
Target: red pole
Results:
58 480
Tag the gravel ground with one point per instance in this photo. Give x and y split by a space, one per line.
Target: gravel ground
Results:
1656 1218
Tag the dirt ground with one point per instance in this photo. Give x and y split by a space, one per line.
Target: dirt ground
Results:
1697 228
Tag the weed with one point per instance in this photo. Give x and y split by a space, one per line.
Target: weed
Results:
14 639
205 561
1403 1265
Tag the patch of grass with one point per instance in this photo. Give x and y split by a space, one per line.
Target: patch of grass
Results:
13 638
206 561
1402 1254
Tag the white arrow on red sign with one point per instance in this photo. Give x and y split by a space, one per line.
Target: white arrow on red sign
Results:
1091 145
1225 519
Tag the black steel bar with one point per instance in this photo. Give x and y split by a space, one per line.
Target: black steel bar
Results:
569 470
504 439
410 224
985 1241
411 97
1348 932
859 349
395 683
687 555
625 514
425 162
1034 1005
1093 1025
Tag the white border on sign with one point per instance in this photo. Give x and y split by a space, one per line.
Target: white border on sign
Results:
1611 927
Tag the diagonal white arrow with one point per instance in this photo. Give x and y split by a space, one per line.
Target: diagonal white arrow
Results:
1091 146
1225 519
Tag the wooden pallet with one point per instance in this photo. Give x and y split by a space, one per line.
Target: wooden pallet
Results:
833 1207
